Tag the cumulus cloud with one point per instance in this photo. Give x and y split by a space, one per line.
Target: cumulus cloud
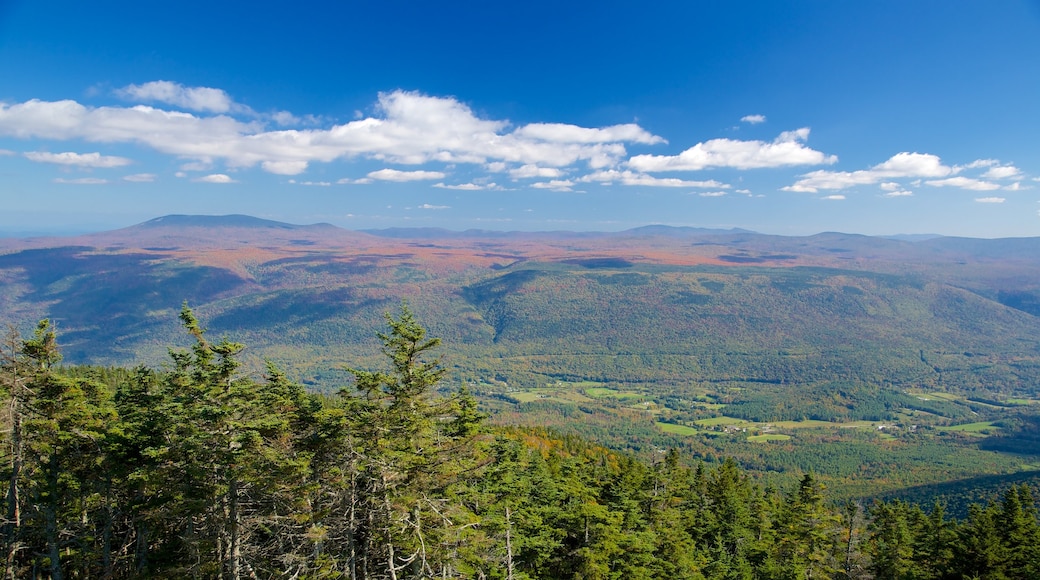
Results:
430 206
990 199
410 128
6 153
898 193
627 177
785 150
963 183
94 160
82 181
561 133
555 185
900 165
311 183
467 186
713 193
1002 172
753 119
920 167
528 171
284 167
835 197
402 176
140 178
202 99
215 178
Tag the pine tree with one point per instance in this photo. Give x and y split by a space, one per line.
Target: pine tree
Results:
806 534
408 448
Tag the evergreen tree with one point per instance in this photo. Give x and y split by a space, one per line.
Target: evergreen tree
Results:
805 545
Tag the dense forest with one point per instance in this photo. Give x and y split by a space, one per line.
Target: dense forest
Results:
199 470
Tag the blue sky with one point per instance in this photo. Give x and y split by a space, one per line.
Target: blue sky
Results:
878 117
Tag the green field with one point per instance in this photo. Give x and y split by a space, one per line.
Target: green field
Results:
677 429
603 392
979 428
766 437
718 421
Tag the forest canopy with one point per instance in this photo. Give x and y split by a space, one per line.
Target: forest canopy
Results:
198 470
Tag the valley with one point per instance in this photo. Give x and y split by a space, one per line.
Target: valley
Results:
878 363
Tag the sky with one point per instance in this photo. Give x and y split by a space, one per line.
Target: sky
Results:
783 117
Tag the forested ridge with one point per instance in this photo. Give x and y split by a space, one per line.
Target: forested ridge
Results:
199 471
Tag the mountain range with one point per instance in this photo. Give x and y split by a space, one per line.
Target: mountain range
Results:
650 305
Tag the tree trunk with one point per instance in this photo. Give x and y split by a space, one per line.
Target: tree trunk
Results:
390 555
509 545
107 563
235 547
50 514
352 527
13 524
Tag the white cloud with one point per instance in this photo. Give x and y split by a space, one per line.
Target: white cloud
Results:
712 193
1002 172
467 186
6 153
555 185
401 176
963 183
202 99
215 178
311 183
410 128
95 160
82 181
1016 186
534 171
753 119
912 165
898 193
561 133
833 197
429 206
990 199
900 165
140 178
785 150
284 167
982 163
631 178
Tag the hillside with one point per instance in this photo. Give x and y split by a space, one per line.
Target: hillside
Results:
702 304
640 339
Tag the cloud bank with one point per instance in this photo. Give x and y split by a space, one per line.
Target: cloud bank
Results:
905 165
212 137
409 129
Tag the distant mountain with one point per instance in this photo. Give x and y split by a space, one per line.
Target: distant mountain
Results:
660 230
912 237
217 221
